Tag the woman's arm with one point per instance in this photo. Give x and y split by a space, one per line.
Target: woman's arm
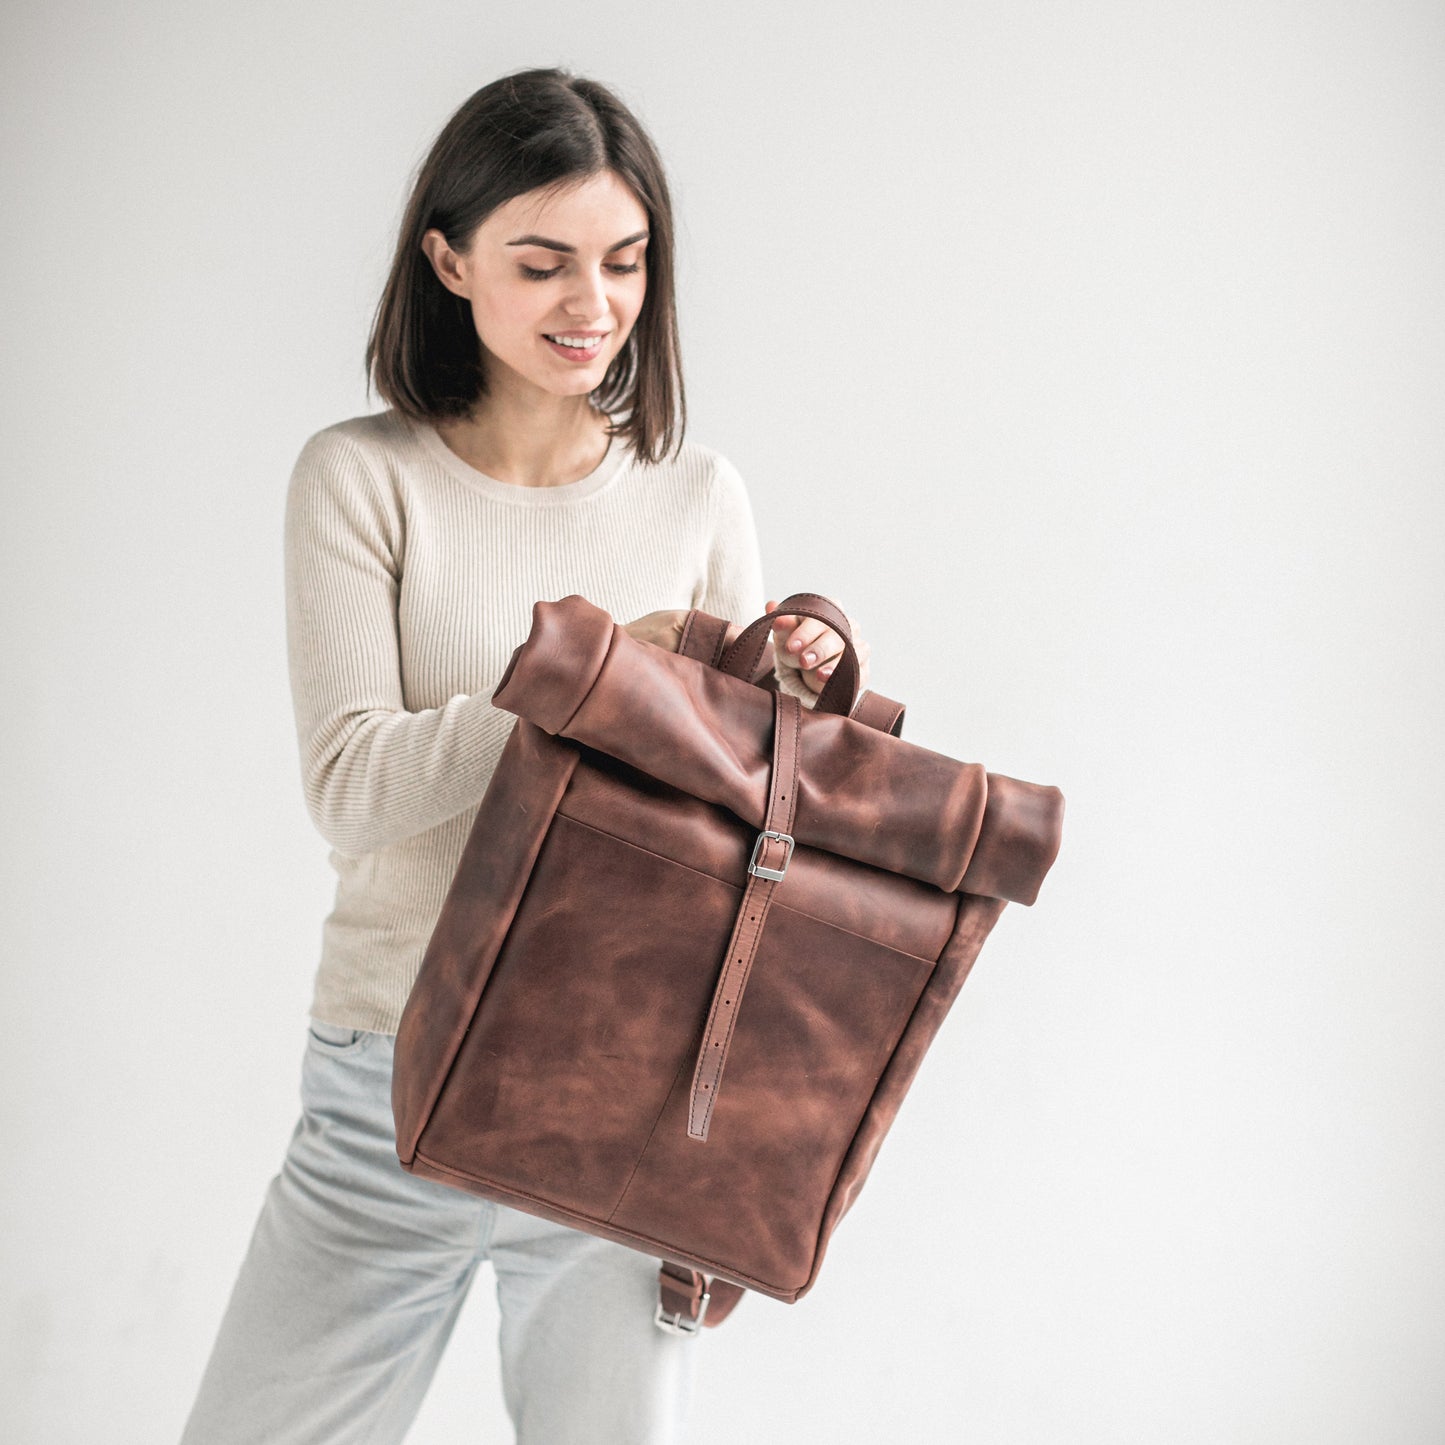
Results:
733 585
373 773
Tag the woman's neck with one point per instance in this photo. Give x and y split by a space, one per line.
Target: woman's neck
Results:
536 441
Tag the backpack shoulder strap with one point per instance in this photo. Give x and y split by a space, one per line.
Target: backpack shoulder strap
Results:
687 1299
703 636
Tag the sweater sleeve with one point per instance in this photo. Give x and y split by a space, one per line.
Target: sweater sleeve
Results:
733 587
373 772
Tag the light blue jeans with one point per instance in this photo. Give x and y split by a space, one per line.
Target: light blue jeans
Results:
356 1273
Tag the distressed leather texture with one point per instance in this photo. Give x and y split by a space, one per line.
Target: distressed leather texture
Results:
579 985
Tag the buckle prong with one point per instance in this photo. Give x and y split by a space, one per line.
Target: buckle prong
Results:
774 873
674 1322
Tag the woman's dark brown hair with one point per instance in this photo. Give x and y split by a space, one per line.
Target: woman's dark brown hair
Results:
530 129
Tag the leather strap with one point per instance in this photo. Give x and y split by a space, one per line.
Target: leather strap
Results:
770 853
841 690
704 639
703 636
725 1297
876 711
680 1292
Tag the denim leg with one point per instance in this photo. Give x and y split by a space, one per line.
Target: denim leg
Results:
582 1360
354 1277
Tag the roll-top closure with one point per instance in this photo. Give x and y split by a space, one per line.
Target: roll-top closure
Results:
556 667
862 794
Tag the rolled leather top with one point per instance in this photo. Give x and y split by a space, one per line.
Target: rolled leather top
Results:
862 793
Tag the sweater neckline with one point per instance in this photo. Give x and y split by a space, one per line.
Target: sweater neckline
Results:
559 496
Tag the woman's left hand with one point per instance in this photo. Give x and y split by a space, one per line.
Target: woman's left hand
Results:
813 647
662 629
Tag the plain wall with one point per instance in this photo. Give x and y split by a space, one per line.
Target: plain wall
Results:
1093 356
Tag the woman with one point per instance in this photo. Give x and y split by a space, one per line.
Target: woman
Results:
530 304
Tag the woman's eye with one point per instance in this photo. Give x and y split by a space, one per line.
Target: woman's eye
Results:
532 274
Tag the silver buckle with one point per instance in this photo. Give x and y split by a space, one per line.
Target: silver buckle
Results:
675 1323
773 873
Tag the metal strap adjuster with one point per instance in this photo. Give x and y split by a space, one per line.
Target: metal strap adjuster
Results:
674 1322
773 873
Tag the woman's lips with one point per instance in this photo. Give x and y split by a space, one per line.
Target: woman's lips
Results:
578 353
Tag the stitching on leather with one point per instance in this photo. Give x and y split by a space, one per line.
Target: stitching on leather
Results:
756 887
687 631
720 646
643 848
713 656
931 989
869 1107
797 711
758 651
568 754
755 941
728 882
705 1075
705 1070
783 610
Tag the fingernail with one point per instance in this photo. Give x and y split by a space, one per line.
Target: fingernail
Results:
826 671
810 658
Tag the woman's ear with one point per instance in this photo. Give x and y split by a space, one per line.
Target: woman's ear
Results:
444 261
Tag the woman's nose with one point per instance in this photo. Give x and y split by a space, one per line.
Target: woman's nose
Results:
588 298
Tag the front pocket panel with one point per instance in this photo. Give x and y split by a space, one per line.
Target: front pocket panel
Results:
595 999
822 1013
571 1085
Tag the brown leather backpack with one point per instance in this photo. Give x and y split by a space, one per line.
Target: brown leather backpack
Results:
697 944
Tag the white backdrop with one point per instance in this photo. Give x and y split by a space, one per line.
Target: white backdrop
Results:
1093 355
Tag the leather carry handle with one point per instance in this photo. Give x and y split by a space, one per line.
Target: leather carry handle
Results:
840 692
704 639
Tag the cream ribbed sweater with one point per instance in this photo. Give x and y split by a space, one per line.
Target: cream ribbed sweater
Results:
410 579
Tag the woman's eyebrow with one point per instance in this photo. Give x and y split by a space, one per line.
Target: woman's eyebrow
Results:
547 245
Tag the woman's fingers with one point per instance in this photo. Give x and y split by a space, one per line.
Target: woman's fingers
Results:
804 641
815 643
808 645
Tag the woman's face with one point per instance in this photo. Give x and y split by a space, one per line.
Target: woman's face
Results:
542 269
